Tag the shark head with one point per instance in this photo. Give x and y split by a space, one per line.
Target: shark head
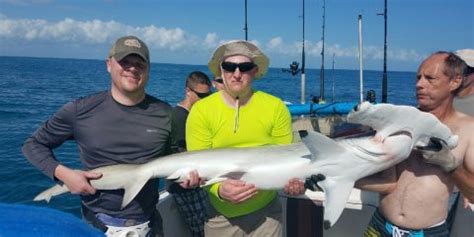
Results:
389 120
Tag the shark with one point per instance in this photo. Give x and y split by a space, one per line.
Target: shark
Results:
397 130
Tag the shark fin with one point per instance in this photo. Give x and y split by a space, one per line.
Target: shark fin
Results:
319 145
336 195
132 188
178 175
51 192
235 174
213 181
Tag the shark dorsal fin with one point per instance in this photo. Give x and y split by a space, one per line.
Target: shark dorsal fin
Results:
318 144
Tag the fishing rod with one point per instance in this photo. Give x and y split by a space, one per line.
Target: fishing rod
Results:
303 76
321 76
384 79
245 24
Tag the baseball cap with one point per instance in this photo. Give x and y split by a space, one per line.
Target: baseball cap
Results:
127 45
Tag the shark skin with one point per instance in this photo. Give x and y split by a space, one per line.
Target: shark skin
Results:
341 162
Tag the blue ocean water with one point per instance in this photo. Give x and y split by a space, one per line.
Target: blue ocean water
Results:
32 89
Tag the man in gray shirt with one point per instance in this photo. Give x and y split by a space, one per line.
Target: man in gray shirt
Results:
121 126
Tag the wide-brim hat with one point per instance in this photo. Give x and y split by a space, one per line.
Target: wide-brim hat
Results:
467 55
127 45
238 47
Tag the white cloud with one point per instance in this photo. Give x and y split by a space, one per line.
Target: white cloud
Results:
90 32
211 40
94 32
277 45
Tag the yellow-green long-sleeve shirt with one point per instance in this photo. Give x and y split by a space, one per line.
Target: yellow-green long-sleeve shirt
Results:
264 120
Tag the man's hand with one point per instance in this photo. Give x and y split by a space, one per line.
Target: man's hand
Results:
438 153
294 187
311 183
77 181
193 180
236 191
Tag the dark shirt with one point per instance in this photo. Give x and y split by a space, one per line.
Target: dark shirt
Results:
180 115
107 133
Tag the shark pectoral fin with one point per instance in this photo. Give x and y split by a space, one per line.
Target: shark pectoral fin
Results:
319 145
336 195
213 181
51 192
132 188
179 175
234 174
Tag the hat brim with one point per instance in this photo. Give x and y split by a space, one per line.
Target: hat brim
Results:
220 55
467 55
120 56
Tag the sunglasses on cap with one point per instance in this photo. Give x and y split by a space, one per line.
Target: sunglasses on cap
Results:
200 94
243 67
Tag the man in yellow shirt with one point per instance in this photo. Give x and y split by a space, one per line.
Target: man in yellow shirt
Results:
239 116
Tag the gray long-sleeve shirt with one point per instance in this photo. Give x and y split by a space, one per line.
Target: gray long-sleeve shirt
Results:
107 133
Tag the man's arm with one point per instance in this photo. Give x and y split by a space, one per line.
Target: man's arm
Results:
281 131
463 175
461 169
198 136
282 134
38 149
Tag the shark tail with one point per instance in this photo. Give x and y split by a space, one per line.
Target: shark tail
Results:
47 194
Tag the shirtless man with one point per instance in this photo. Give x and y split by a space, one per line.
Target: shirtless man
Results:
414 194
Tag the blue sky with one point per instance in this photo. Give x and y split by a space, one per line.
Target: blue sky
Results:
187 31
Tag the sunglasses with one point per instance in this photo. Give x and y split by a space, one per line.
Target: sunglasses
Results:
219 80
200 94
243 67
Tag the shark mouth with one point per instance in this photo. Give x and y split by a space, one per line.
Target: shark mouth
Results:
376 152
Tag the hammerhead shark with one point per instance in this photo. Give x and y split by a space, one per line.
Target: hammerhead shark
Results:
398 129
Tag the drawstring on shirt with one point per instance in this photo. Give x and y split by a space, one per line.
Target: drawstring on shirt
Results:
236 114
397 232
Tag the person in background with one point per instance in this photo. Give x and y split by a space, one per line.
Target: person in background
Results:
218 83
198 86
414 194
464 101
192 202
239 116
123 125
